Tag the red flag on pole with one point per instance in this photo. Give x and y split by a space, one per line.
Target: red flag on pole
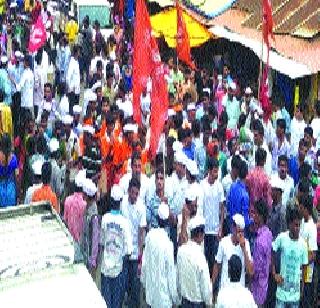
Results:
142 61
183 42
267 21
38 35
159 100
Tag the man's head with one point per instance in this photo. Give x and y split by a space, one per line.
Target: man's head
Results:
235 166
159 178
136 164
258 132
277 189
234 269
281 128
303 150
283 166
293 222
213 170
134 190
48 92
116 197
27 62
191 200
46 173
163 215
180 164
261 156
243 170
238 225
303 188
197 226
261 213
76 51
308 136
306 205
305 171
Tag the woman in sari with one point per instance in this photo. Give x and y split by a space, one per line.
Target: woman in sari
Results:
8 167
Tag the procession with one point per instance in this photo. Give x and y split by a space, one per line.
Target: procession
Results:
160 153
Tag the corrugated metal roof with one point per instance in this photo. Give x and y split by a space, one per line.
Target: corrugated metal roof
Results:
295 17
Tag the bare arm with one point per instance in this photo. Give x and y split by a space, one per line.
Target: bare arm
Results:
215 272
142 232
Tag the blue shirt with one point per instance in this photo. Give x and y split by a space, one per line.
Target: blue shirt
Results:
293 166
238 201
190 151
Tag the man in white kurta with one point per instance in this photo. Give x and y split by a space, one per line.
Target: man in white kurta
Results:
158 274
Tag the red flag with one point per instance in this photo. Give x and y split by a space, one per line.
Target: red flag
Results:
183 42
267 21
142 61
38 35
159 100
264 95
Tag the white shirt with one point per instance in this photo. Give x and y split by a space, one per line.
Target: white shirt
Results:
73 76
30 191
116 241
289 189
136 214
297 133
308 232
158 273
178 191
38 91
268 164
144 180
235 295
64 106
25 86
315 124
193 274
212 197
225 251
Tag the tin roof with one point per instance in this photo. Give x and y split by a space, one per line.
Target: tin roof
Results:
295 17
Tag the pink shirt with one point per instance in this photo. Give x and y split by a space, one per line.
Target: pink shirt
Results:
259 187
74 208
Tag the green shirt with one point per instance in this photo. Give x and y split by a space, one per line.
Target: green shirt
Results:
294 254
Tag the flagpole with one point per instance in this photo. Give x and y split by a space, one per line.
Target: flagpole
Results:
261 63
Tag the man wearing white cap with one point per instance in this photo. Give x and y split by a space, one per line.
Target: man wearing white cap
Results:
74 208
36 168
178 185
277 218
91 227
191 174
158 274
71 139
189 211
194 285
5 84
234 294
233 244
231 106
77 126
116 242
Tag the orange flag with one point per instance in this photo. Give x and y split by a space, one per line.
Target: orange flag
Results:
183 42
142 62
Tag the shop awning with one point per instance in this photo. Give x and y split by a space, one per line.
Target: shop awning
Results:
278 62
165 24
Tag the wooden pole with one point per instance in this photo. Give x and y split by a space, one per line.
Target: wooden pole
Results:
260 68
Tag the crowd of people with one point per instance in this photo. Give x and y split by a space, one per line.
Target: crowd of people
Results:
227 211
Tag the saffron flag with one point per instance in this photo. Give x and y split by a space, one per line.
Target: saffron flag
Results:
183 42
267 22
38 35
142 64
159 100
